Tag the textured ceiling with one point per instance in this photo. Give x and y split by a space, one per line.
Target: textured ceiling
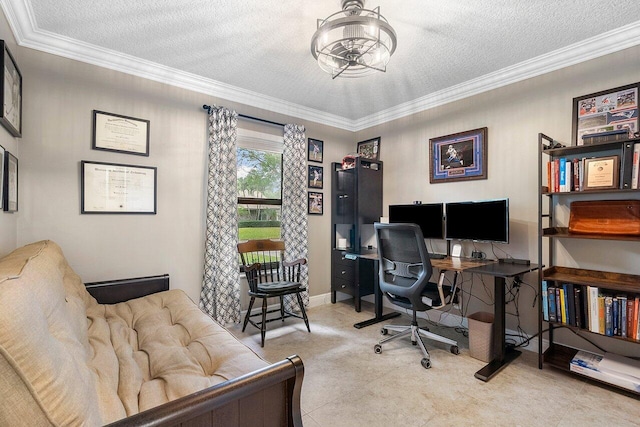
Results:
262 48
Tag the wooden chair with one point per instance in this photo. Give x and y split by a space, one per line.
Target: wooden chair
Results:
269 276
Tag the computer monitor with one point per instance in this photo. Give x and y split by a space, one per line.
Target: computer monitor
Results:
480 221
428 216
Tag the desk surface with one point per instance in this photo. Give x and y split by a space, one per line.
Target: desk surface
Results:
473 265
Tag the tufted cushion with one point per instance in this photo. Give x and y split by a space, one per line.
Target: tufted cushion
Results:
68 360
167 348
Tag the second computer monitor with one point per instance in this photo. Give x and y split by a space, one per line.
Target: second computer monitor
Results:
480 221
428 216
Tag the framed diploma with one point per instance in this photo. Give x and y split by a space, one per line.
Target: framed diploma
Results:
113 132
111 188
601 173
10 185
11 90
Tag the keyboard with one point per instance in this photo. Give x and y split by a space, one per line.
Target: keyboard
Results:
437 256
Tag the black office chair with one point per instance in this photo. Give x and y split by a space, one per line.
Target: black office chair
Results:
405 270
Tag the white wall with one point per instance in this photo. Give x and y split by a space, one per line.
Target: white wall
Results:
59 96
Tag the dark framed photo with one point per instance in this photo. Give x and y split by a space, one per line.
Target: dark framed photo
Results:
609 112
369 149
111 188
314 203
314 150
10 183
316 177
122 134
11 93
458 157
601 173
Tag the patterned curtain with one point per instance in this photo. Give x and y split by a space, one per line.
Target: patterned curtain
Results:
294 204
220 295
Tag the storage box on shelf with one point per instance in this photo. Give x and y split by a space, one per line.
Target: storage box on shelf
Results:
577 293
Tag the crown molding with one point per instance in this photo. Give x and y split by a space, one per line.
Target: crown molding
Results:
21 19
594 47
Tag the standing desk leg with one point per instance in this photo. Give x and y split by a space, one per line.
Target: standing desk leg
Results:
501 357
379 303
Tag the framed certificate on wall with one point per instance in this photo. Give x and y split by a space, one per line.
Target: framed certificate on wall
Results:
122 134
111 188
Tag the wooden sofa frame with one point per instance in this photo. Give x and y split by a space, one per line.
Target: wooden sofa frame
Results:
267 397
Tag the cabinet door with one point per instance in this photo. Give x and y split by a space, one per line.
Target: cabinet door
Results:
344 197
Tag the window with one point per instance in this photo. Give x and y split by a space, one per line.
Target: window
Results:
259 169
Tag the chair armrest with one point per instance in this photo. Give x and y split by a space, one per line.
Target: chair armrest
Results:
301 261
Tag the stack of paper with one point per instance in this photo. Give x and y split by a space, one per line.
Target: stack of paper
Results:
610 368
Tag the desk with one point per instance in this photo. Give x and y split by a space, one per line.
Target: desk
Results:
500 272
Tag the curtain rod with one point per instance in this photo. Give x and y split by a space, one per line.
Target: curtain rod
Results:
208 108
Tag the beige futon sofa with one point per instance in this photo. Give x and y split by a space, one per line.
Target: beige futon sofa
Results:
67 360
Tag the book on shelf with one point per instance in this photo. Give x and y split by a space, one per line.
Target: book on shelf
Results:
552 303
570 304
545 300
622 302
630 316
634 322
576 174
635 175
601 315
608 316
615 317
563 306
558 305
594 316
636 318
578 294
562 183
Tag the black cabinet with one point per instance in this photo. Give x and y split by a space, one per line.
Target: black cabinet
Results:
356 203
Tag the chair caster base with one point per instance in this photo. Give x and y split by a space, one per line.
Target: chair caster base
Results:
426 363
377 349
454 349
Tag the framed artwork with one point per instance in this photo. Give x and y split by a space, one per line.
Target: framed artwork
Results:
315 177
2 177
601 173
369 149
110 188
122 134
314 203
314 150
458 157
10 184
11 90
614 110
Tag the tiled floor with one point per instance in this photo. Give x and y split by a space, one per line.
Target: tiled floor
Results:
347 384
